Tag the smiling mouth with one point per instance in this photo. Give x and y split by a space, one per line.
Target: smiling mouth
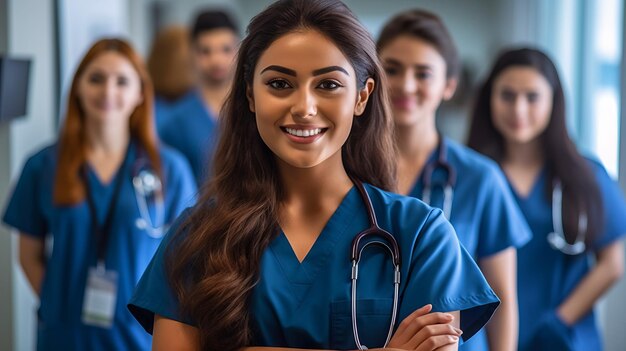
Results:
304 133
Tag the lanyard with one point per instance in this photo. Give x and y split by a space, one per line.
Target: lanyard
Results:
103 231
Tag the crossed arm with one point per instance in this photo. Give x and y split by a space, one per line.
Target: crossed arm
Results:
420 331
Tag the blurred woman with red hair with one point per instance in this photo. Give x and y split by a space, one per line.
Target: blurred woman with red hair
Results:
102 196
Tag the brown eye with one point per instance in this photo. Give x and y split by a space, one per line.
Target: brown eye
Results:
329 85
96 78
507 95
278 84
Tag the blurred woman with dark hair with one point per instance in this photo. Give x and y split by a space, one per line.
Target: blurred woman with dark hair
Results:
574 208
101 196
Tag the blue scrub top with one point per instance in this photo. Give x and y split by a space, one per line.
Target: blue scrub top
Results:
162 110
191 129
32 212
484 213
307 305
546 277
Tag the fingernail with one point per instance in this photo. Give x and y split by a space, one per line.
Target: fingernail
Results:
455 338
449 316
458 331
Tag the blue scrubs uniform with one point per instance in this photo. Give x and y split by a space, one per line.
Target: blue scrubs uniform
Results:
546 277
484 213
32 212
307 305
191 129
162 110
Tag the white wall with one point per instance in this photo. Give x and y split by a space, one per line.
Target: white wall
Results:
32 38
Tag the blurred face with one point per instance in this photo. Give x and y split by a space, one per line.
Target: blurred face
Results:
417 79
305 96
214 53
109 89
521 104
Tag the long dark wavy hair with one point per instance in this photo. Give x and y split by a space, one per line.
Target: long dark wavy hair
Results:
563 161
213 261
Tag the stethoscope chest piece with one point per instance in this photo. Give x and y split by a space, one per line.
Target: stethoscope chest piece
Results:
556 238
148 186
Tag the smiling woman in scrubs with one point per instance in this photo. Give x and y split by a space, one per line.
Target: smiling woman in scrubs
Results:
519 121
264 259
79 191
422 66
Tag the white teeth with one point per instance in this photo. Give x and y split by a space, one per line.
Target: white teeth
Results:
304 132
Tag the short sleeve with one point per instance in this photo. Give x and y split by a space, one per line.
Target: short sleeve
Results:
443 273
613 205
153 294
25 210
502 224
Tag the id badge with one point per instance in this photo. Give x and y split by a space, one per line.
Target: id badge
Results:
100 298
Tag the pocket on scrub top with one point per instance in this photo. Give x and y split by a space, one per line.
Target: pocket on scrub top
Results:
373 319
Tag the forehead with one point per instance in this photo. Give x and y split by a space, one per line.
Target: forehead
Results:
410 50
522 78
111 62
216 37
303 51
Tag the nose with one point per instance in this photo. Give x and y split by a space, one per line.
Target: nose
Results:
520 106
109 88
304 104
409 83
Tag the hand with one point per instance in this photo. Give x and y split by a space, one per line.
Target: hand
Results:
552 334
425 331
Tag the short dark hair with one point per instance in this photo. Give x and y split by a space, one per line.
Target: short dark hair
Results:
427 26
211 20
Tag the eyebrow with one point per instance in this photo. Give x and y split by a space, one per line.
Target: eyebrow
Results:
398 63
316 72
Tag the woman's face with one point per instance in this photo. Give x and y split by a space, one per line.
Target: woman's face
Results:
305 96
521 104
109 89
417 79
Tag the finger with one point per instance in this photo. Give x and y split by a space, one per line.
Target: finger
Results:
400 336
435 342
431 331
432 318
417 313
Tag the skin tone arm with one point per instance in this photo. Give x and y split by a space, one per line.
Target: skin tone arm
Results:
421 331
500 270
32 260
608 270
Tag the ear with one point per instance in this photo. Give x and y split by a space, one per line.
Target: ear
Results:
363 96
250 98
450 88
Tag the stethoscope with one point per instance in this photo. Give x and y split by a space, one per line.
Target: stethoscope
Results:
147 185
557 237
383 239
448 185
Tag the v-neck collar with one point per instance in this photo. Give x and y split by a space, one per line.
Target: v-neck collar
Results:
95 179
539 180
305 272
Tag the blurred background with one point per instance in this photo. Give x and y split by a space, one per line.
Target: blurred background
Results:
584 37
